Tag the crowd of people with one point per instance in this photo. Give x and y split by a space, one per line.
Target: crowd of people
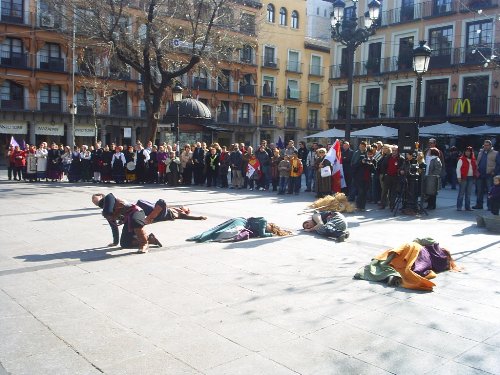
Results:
376 173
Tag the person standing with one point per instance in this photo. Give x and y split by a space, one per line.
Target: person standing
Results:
275 174
494 196
235 160
323 184
265 165
347 154
212 167
224 163
284 173
54 163
86 163
488 165
198 164
296 169
118 162
186 159
309 167
97 162
389 169
364 167
41 162
75 169
19 163
432 181
141 163
465 171
11 162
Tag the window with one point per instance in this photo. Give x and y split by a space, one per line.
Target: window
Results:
142 109
283 16
12 54
371 108
293 62
479 39
295 20
374 58
49 15
315 68
85 101
50 58
223 111
442 6
313 119
407 10
246 85
291 117
50 98
436 97
223 80
405 56
267 115
118 104
11 95
247 54
247 24
200 80
268 87
269 59
476 90
270 13
245 113
12 11
402 101
342 107
314 93
440 42
292 90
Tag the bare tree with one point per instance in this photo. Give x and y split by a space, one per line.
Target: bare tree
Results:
163 39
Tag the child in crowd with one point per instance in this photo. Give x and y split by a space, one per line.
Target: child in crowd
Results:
494 195
284 172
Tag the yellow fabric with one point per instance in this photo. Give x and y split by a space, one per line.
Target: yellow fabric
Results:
405 256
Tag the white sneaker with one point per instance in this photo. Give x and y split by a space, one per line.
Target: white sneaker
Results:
262 189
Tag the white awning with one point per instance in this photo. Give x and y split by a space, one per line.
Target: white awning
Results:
49 129
13 128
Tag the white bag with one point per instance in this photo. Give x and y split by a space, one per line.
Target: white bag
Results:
326 171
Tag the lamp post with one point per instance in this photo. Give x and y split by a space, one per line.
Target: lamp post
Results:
177 94
421 58
346 31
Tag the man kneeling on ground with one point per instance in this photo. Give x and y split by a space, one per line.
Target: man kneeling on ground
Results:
328 223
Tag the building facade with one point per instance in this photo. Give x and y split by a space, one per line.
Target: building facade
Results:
461 85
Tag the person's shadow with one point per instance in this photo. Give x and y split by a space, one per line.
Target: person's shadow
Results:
84 255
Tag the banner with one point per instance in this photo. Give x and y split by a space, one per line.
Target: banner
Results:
85 131
13 128
335 157
49 129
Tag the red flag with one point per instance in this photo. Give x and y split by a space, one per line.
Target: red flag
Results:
335 157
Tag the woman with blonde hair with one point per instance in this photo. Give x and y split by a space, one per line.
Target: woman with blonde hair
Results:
186 157
323 183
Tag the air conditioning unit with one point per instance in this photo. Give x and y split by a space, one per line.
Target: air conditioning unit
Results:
47 20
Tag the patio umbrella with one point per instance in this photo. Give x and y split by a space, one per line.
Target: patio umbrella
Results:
445 128
491 130
380 131
330 133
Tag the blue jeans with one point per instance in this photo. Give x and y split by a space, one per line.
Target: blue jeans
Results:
482 183
283 184
464 190
310 177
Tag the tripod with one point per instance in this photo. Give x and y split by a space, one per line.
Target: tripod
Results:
400 200
409 196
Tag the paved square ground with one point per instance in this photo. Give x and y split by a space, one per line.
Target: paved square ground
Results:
69 305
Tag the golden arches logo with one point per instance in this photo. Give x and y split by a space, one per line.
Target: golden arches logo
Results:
461 106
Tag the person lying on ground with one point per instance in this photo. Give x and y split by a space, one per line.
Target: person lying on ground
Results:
161 211
329 224
239 229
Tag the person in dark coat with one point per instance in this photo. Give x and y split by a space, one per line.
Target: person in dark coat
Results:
54 163
96 156
347 154
75 168
141 163
323 184
212 167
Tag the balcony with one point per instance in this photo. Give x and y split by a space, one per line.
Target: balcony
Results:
292 94
316 70
314 125
270 62
84 108
267 121
55 107
13 59
17 16
200 83
8 103
441 58
223 117
118 110
294 67
244 120
315 98
269 92
53 64
292 123
247 89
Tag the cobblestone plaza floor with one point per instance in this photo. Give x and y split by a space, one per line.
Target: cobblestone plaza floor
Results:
69 305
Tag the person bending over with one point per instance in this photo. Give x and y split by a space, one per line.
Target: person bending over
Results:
119 212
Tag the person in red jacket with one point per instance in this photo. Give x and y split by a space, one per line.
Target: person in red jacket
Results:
19 163
466 170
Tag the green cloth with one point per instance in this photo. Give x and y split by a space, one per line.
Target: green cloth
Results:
427 241
377 270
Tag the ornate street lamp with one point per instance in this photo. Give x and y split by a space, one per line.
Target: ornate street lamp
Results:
346 31
177 96
421 58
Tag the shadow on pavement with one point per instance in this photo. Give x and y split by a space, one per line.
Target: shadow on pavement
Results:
84 255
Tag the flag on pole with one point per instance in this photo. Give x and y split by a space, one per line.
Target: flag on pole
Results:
335 157
280 144
13 141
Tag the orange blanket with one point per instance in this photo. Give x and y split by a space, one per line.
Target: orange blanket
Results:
404 257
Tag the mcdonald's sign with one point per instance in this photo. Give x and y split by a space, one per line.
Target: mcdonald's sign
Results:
461 105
